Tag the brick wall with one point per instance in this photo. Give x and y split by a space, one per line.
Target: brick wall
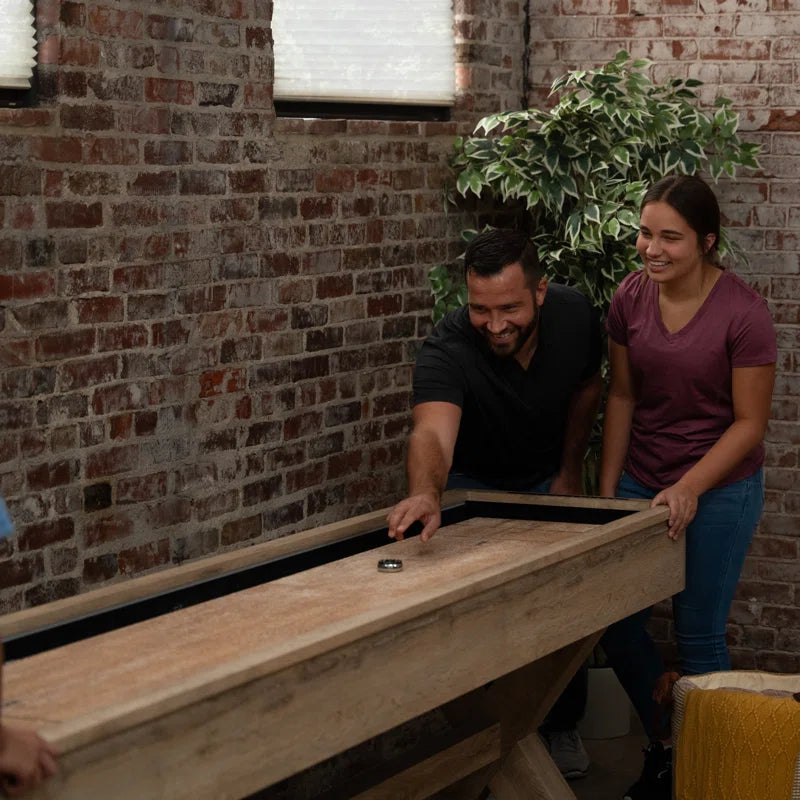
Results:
745 50
208 315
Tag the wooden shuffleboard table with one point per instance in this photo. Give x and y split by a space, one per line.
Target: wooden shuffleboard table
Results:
223 676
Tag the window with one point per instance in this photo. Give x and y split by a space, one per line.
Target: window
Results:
17 50
391 52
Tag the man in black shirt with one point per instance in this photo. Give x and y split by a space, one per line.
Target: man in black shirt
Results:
506 389
505 394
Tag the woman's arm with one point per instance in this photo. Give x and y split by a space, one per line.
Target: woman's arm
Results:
617 422
752 395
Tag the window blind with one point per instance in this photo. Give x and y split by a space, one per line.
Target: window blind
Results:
17 44
369 51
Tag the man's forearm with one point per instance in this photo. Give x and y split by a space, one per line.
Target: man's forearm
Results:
427 466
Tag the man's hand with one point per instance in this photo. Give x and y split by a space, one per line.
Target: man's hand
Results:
570 483
25 760
423 507
682 502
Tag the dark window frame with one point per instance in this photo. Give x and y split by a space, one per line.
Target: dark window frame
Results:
377 111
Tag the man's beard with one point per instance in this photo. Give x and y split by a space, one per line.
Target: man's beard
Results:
516 344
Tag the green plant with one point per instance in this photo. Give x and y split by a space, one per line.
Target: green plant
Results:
580 169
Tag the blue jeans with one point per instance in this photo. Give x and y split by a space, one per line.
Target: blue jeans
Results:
716 545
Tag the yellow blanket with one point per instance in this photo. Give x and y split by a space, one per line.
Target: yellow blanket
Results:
738 745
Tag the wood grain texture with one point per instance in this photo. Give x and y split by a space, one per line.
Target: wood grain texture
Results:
261 684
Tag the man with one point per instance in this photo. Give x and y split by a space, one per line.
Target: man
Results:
25 758
505 394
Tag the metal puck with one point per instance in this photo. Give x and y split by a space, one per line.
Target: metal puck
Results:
390 565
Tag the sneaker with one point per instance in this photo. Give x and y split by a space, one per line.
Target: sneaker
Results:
568 752
655 782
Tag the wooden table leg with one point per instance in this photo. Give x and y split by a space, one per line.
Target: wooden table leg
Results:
520 702
528 773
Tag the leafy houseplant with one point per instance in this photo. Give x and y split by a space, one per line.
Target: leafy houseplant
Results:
581 168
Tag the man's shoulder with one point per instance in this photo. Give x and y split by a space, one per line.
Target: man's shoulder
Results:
568 306
559 294
453 328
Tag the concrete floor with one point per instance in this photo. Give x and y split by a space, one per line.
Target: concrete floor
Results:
616 764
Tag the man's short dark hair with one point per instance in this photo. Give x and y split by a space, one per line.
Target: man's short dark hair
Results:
494 249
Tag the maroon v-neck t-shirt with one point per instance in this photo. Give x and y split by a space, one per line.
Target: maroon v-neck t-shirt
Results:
682 380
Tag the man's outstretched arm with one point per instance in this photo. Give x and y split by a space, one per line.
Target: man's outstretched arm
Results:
430 455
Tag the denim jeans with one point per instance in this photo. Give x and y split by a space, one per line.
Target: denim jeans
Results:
716 545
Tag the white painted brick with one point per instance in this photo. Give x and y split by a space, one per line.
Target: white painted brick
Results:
753 119
654 7
785 96
784 192
703 25
543 52
734 6
590 52
638 27
770 217
786 144
794 218
567 27
593 7
781 72
738 72
705 71
753 25
785 47
661 50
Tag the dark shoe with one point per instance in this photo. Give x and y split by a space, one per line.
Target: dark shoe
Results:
655 782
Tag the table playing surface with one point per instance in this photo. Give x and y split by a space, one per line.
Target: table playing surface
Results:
282 638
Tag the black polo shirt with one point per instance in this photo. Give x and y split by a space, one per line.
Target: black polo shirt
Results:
512 419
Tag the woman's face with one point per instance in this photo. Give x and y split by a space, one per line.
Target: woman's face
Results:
669 247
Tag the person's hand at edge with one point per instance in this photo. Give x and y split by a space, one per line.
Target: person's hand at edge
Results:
25 760
423 507
682 502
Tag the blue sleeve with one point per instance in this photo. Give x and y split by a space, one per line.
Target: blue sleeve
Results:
6 525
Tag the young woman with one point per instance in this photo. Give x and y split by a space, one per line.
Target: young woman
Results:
692 352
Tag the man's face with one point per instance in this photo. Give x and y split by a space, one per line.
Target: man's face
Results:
505 311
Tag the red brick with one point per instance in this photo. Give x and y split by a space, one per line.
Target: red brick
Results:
21 570
305 477
222 382
87 118
154 183
121 337
112 461
338 180
119 24
74 215
100 568
100 309
107 529
142 488
72 344
241 530
35 537
165 90
61 150
26 286
47 476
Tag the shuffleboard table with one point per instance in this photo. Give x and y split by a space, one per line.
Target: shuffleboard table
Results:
220 677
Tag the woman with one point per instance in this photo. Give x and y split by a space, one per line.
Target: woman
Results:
692 352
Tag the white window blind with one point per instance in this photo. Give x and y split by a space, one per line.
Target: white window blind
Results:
17 44
364 51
